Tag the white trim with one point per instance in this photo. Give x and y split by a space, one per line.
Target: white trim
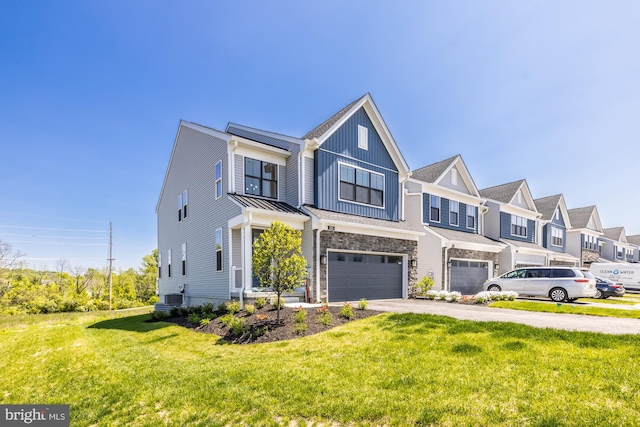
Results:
448 193
454 176
268 156
363 137
215 238
552 236
216 179
526 227
457 212
266 133
439 220
357 160
384 185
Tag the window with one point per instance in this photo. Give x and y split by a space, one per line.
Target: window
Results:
471 217
454 176
590 242
563 272
557 214
518 226
260 178
159 265
184 259
361 186
454 208
363 137
434 209
556 236
219 249
169 262
619 252
182 206
219 179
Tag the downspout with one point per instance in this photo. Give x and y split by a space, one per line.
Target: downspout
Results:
446 266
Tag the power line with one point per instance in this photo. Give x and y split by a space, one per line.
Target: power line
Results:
61 243
54 217
53 229
55 237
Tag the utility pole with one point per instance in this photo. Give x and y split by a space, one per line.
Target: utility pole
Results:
110 264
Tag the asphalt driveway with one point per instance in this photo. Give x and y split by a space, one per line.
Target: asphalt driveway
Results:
570 322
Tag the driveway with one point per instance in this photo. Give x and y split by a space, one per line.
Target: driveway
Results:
570 322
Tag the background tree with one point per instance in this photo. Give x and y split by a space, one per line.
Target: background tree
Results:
8 256
146 281
277 260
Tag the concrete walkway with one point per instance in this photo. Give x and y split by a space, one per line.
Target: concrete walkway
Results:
570 322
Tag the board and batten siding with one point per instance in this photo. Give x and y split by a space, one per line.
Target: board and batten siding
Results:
193 169
328 186
505 229
444 215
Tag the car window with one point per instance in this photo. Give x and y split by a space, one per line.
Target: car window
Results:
588 274
563 272
538 272
515 274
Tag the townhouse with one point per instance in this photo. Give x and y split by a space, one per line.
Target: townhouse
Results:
614 246
340 185
554 224
583 236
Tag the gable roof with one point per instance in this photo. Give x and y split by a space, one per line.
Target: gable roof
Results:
635 239
434 171
319 130
547 206
580 217
615 233
505 193
323 131
437 171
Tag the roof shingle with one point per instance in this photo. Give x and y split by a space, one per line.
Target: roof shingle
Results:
319 130
547 206
432 172
502 193
579 217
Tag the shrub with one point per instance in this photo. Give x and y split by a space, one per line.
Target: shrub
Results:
194 318
232 307
423 286
453 296
277 303
442 295
207 308
183 311
227 319
347 311
299 328
363 304
299 315
159 315
250 309
432 294
260 302
260 331
205 321
325 318
175 311
237 326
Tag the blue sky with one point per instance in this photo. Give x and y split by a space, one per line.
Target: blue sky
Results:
91 94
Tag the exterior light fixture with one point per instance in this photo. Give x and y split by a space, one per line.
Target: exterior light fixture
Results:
323 259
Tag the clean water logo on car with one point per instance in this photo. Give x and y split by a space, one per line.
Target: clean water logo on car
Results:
616 271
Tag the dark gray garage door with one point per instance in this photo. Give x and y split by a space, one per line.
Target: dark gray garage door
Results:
467 277
356 276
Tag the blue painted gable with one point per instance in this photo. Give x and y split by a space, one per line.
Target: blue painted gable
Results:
342 147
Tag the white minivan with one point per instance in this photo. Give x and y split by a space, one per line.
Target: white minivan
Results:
558 283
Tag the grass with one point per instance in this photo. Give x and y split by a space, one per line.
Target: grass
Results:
392 369
611 300
567 308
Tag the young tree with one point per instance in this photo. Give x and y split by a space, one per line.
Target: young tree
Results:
277 260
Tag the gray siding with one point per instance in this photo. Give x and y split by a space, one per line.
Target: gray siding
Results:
292 177
239 171
505 229
308 181
193 168
460 186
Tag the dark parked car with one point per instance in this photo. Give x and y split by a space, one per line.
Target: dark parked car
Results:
608 288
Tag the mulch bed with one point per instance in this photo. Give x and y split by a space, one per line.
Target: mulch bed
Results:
267 329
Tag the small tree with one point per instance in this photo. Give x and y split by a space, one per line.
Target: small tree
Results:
277 260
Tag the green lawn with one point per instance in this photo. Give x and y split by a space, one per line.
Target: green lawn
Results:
611 300
567 308
389 369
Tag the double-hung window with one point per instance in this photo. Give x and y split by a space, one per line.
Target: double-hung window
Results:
159 265
169 262
518 226
260 178
619 252
219 179
454 211
184 259
182 206
471 217
556 236
361 186
219 249
434 208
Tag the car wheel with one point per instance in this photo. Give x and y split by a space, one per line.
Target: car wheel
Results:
599 294
494 288
558 294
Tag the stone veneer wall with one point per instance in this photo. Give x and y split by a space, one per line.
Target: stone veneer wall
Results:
589 256
467 255
337 240
561 263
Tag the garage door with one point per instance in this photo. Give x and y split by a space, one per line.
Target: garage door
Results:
355 276
467 277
